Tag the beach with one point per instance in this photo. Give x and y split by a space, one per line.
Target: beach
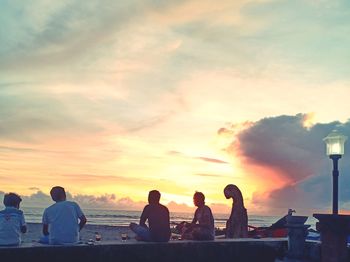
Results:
108 233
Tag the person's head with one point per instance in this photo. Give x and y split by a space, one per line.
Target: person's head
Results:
58 194
12 200
198 199
232 191
153 197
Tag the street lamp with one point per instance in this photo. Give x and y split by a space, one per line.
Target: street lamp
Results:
335 149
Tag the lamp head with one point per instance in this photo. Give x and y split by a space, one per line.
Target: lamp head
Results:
335 143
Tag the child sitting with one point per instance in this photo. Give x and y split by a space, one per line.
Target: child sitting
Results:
12 222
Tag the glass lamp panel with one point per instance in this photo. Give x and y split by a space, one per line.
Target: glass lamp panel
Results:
335 149
335 143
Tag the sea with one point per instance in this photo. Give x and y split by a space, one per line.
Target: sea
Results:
124 218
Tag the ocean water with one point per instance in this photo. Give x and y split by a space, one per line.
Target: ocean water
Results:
124 218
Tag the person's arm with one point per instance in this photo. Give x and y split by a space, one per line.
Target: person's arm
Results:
195 219
144 217
45 221
82 222
81 216
23 229
23 224
45 229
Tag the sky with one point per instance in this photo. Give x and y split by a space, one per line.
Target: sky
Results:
112 99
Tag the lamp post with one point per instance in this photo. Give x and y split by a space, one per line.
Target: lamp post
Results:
335 149
334 228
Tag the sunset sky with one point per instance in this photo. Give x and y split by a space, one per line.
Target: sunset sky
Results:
111 99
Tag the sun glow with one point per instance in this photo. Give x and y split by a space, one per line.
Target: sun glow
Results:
309 120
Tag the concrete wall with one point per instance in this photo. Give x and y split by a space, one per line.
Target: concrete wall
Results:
179 251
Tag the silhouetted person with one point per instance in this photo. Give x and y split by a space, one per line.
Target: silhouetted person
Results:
158 219
237 224
202 225
12 222
63 220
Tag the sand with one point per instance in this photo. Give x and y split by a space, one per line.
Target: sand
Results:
108 233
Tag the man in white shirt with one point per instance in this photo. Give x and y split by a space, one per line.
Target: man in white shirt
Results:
12 222
63 220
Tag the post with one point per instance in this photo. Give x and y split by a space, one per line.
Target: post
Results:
335 159
297 233
334 230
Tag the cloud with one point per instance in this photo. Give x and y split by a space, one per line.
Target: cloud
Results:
81 83
176 207
66 33
212 160
296 154
208 175
206 159
220 208
37 199
34 188
284 144
174 153
29 116
108 201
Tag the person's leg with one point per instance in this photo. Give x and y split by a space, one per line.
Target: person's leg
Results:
44 239
187 231
142 232
202 234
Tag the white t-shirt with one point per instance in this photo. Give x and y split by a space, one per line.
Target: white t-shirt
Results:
11 221
63 220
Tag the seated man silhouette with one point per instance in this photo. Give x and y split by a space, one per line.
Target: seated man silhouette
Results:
12 222
202 225
63 220
157 215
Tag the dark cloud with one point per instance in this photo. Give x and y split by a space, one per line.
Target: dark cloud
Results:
297 153
284 144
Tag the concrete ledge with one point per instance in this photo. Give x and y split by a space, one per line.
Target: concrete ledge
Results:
176 251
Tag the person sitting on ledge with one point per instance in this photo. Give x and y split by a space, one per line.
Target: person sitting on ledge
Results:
12 222
60 220
237 224
158 221
204 229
